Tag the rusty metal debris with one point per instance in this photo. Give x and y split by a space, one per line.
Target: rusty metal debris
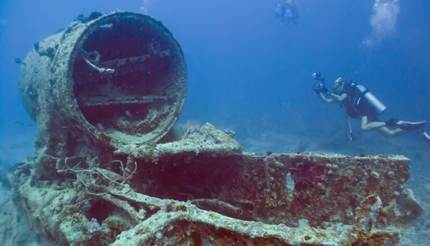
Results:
119 77
202 190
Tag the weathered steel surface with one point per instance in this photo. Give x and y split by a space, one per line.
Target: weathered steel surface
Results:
118 78
201 190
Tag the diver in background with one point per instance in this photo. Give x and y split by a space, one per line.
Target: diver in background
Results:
359 102
286 11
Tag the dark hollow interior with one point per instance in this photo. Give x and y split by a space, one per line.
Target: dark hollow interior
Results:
145 62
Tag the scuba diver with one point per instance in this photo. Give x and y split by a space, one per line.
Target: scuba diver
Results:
286 11
359 102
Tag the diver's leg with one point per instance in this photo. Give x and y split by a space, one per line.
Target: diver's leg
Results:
389 131
395 127
411 125
380 125
366 125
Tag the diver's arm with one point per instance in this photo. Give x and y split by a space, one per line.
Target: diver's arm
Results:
326 97
337 97
332 97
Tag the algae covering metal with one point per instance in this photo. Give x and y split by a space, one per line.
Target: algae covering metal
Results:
118 77
115 184
201 189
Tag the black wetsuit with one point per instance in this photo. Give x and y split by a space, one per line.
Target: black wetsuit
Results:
355 105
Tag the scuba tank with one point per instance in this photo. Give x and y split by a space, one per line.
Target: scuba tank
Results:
367 97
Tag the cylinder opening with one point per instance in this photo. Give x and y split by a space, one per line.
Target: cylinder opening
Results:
128 75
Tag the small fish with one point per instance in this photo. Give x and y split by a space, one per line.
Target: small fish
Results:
36 46
18 61
84 19
231 133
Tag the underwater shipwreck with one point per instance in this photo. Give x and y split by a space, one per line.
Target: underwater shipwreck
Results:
110 168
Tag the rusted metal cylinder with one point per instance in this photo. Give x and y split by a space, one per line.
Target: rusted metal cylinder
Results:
119 77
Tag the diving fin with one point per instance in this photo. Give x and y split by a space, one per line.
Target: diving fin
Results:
411 125
426 137
406 125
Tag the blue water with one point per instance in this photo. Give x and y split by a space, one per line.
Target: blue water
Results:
250 70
